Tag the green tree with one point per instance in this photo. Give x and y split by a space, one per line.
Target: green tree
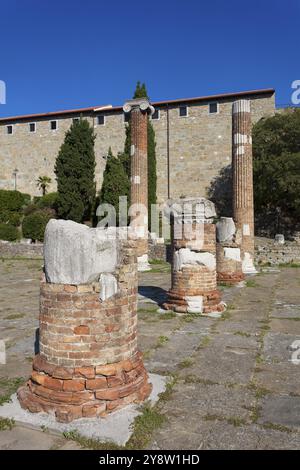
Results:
276 171
75 173
115 183
141 92
43 182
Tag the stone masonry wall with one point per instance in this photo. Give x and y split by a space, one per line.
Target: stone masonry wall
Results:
267 252
23 250
200 145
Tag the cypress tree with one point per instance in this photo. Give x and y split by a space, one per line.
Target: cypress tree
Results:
75 173
141 92
115 182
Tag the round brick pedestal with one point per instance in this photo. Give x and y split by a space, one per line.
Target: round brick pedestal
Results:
194 280
192 285
229 264
88 364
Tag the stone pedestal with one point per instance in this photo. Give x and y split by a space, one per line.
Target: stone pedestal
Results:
139 110
242 172
194 281
229 262
88 363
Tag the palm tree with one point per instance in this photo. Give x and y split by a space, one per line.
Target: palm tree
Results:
43 182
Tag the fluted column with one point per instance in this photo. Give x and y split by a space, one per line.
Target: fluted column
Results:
242 172
139 110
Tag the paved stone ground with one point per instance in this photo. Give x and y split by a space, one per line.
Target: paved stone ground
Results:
236 386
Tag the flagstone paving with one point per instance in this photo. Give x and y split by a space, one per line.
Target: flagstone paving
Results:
236 385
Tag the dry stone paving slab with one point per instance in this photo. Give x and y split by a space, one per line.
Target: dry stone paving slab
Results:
281 410
236 385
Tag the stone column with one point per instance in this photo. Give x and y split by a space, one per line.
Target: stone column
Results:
242 173
139 110
88 363
194 280
229 262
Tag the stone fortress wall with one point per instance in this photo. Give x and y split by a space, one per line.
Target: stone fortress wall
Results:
191 150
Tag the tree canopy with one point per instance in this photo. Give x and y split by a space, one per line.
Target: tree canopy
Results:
75 173
276 171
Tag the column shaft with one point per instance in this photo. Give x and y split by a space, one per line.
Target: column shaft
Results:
242 173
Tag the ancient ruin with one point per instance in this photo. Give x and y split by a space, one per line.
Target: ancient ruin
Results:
229 262
139 110
88 363
194 280
242 176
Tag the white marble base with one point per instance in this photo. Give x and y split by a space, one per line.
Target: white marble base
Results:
143 263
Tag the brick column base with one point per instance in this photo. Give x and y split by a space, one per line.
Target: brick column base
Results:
88 362
192 286
229 268
80 392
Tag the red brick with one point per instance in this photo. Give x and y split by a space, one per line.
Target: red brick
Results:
69 288
62 373
93 409
111 328
115 381
96 384
107 370
46 381
68 413
87 372
74 385
108 394
81 330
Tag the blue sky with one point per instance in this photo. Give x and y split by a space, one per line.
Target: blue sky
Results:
67 54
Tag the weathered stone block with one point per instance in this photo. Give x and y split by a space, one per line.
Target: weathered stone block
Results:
77 254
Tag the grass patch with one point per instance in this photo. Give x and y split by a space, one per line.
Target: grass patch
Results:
148 310
236 421
161 340
286 318
9 386
233 420
89 443
289 265
159 261
168 315
189 318
14 316
250 283
166 395
6 424
260 392
146 354
226 315
160 266
255 412
242 333
259 359
277 427
188 362
193 379
204 342
144 426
